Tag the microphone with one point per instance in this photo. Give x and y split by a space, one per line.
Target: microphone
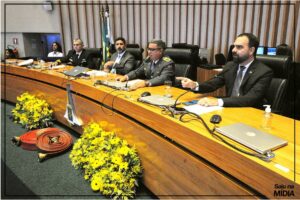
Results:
176 110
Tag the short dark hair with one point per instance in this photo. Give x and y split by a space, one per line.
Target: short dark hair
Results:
253 40
120 38
161 44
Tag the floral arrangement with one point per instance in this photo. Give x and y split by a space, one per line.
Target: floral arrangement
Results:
112 167
32 112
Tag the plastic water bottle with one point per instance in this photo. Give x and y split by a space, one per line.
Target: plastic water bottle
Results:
267 118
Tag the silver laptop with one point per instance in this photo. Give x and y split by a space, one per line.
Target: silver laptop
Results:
252 138
76 71
158 100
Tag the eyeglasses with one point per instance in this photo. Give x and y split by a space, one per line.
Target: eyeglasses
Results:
153 49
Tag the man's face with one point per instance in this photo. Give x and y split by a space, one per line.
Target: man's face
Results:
154 52
78 46
241 51
120 46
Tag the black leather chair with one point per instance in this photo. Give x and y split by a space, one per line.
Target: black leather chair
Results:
138 55
277 93
96 54
183 62
220 59
195 59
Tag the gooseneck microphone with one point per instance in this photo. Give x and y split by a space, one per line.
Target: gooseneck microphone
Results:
176 110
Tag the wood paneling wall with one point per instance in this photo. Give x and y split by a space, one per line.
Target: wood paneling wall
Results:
209 24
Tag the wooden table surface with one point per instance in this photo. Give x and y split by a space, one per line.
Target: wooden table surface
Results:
190 141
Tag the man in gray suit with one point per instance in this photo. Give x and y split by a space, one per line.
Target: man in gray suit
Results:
155 69
122 62
246 79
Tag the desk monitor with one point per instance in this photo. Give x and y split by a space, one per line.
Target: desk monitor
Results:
260 50
271 51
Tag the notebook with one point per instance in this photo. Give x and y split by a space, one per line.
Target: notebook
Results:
158 100
76 71
252 138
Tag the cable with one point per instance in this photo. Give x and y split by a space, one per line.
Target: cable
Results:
266 157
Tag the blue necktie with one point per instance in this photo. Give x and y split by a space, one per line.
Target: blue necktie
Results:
237 82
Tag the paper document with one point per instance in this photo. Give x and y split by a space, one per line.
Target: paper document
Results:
97 73
198 109
58 66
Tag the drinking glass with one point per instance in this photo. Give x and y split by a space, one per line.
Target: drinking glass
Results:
168 89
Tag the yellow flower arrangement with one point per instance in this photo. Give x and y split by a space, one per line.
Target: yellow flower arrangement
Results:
111 166
32 112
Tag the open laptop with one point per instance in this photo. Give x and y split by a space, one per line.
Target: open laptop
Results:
252 138
76 71
158 100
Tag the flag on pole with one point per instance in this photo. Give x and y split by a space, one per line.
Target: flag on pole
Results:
107 38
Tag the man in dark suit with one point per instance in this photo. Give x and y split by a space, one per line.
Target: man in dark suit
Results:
246 79
156 68
121 61
78 56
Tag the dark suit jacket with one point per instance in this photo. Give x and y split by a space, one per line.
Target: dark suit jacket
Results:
85 60
127 63
164 70
253 87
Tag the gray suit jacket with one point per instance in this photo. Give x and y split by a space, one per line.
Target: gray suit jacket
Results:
163 70
127 63
253 87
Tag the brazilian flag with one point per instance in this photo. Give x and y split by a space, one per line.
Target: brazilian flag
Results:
107 38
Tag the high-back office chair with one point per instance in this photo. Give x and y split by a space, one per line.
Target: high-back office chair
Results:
195 59
220 59
96 54
183 62
138 55
277 92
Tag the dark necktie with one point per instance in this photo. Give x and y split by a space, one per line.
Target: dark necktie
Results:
237 82
152 67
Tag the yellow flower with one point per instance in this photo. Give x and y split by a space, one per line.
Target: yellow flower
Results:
95 185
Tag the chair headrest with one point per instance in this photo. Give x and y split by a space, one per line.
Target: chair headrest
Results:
96 52
180 56
136 52
186 46
133 46
280 64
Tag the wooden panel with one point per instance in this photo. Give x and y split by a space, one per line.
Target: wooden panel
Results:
204 75
213 28
164 164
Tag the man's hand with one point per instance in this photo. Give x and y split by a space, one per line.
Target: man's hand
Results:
122 78
208 101
138 84
187 83
107 65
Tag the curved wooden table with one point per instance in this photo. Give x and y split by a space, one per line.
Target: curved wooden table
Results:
179 159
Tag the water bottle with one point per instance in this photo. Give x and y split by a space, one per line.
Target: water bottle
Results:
267 118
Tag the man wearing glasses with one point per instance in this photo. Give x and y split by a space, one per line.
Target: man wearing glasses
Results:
156 68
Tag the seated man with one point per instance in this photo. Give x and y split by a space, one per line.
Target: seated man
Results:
246 79
78 56
121 61
156 68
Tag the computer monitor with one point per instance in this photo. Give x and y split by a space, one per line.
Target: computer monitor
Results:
271 51
260 50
